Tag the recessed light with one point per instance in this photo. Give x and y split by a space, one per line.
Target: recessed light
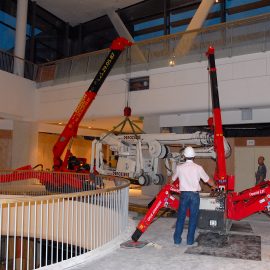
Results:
172 62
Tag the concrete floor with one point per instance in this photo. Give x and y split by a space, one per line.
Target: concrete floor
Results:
160 253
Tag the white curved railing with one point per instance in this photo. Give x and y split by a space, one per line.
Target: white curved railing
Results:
37 231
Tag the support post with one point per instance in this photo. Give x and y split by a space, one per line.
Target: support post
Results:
20 38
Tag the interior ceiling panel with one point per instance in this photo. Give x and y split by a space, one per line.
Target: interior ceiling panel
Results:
80 11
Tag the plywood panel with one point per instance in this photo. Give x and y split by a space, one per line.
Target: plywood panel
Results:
244 168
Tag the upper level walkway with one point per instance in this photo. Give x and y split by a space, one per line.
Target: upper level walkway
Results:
230 39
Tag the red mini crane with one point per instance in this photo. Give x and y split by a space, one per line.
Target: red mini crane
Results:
71 129
228 205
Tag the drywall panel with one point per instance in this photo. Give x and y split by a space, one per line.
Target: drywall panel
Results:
18 99
250 68
244 168
259 115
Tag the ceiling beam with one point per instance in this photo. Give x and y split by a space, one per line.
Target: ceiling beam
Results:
123 32
185 43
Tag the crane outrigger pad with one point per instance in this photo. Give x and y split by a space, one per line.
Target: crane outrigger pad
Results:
133 244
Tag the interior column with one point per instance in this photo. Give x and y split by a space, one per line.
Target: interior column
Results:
20 38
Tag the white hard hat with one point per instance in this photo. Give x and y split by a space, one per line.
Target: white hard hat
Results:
189 152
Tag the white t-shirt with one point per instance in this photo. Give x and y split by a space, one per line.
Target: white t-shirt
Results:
189 174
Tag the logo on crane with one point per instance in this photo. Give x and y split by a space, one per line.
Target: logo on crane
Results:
106 65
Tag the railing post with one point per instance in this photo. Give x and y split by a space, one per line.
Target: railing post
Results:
7 238
22 230
28 236
1 207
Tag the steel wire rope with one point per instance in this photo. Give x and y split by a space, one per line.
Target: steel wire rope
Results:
128 75
209 90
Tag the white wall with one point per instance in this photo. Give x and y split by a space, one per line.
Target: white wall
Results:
180 94
180 90
18 98
18 108
259 115
6 124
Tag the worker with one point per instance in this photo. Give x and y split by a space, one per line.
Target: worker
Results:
189 175
261 171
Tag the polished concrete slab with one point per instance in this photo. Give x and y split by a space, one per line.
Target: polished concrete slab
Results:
162 254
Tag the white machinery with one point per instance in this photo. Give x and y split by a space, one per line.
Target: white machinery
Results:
139 154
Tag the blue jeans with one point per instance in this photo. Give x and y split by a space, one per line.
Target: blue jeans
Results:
189 200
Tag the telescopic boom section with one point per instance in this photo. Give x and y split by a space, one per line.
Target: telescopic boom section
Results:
70 130
220 173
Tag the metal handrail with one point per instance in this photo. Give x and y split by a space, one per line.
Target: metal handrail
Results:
78 67
154 40
228 39
9 63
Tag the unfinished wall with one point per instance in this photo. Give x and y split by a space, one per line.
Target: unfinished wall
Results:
18 97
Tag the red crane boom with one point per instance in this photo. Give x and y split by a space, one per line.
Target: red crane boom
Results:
71 128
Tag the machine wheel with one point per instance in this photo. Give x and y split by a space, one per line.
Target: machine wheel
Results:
158 179
144 180
158 150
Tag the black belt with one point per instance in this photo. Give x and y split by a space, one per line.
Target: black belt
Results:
191 191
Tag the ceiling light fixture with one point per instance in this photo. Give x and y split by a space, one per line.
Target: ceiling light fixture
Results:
172 61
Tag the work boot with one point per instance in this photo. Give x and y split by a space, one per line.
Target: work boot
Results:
195 244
